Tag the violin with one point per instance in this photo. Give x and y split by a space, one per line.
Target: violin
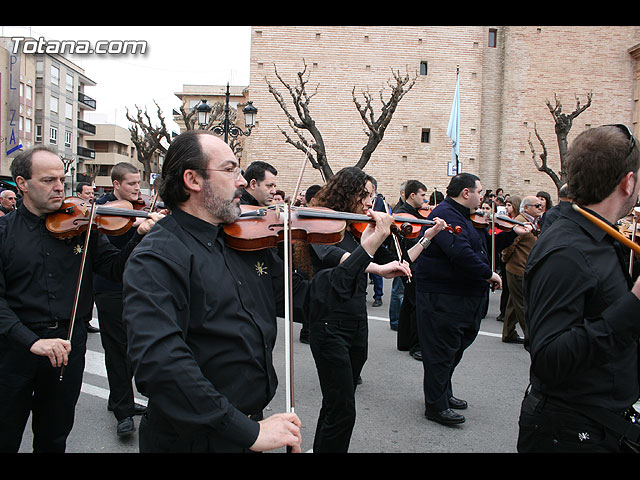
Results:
73 216
405 224
259 228
481 219
263 227
148 203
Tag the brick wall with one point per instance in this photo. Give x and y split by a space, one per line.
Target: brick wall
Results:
503 93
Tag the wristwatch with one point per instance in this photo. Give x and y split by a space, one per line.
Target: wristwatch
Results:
424 241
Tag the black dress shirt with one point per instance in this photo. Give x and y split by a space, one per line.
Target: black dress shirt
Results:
201 321
582 320
39 275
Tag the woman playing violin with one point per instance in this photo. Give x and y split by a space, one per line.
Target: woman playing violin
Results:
338 323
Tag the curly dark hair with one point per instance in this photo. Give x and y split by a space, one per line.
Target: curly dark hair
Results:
344 190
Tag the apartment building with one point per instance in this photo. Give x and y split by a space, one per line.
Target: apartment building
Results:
44 103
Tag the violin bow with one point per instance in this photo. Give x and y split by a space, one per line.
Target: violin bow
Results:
288 294
493 236
396 242
79 283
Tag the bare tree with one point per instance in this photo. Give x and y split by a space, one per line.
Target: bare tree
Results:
148 138
563 124
301 118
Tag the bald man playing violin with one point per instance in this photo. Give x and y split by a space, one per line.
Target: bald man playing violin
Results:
38 279
202 326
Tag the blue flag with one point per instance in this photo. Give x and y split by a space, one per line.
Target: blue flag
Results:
453 130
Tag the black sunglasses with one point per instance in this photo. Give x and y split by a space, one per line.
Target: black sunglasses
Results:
625 129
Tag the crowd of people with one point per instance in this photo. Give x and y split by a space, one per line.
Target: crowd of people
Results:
200 349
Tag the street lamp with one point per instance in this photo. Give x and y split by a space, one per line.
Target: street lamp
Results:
226 128
204 110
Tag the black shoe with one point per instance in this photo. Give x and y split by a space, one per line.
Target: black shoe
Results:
377 302
137 409
92 329
393 327
500 318
417 354
125 427
359 381
445 417
304 339
457 403
516 339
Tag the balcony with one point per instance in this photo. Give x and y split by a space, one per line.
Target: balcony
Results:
86 101
86 127
85 152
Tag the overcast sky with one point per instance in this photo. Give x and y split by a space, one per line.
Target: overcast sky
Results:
175 56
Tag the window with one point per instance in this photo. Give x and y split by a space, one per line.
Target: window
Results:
67 138
55 75
68 111
28 92
38 133
53 104
53 135
423 68
493 37
27 125
69 82
426 135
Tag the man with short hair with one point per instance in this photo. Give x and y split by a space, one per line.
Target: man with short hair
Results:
7 201
452 279
415 193
261 184
125 179
37 289
583 309
514 257
85 190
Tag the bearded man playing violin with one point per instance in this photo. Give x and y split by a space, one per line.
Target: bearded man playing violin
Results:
202 325
38 282
583 308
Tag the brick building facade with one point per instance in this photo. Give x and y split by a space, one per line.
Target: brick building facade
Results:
506 76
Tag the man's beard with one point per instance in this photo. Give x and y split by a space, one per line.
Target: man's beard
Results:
225 210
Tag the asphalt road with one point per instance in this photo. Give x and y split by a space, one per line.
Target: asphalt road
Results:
492 377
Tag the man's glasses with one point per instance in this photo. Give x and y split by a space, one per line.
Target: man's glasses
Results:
235 171
537 205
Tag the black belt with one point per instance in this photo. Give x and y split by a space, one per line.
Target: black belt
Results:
47 325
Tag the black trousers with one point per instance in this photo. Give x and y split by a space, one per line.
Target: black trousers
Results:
547 427
113 336
447 325
30 385
340 351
